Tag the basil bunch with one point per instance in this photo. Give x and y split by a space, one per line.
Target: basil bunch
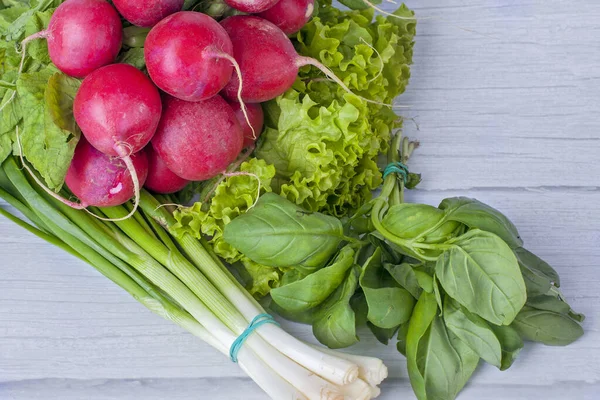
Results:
453 283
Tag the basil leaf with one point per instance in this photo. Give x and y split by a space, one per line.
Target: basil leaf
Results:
277 233
535 284
334 325
445 232
413 180
418 332
547 327
312 290
402 334
481 273
406 277
579 317
424 274
468 361
537 266
389 304
359 305
549 303
445 363
383 335
511 344
404 250
291 276
474 331
408 221
476 214
437 293
301 317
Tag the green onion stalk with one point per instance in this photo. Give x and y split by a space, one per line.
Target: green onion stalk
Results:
181 279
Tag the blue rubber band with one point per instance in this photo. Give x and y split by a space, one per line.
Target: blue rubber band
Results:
257 322
396 168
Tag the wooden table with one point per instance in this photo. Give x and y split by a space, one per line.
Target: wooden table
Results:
506 96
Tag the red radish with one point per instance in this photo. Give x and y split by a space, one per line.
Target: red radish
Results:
160 178
251 6
197 141
149 12
290 15
118 110
268 61
189 55
100 180
256 117
83 35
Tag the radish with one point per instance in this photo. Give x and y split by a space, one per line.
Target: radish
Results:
147 13
160 178
268 61
118 110
255 115
83 35
197 141
189 55
290 15
101 180
251 6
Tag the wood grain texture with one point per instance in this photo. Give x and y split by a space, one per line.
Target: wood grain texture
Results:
512 101
244 389
507 115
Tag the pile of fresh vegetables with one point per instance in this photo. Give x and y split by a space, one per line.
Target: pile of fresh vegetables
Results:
277 118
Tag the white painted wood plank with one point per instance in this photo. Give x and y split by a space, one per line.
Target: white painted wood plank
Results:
245 389
517 109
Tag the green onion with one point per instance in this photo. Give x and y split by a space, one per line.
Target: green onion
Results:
181 279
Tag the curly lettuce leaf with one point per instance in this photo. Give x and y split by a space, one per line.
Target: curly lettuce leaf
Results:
324 142
371 57
258 279
233 197
322 154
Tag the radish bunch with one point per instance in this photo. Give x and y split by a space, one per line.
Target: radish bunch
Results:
212 76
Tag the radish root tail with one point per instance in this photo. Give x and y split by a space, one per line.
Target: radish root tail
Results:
178 206
302 61
39 35
378 56
77 206
238 71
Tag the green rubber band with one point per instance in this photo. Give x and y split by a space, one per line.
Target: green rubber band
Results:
396 168
257 322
